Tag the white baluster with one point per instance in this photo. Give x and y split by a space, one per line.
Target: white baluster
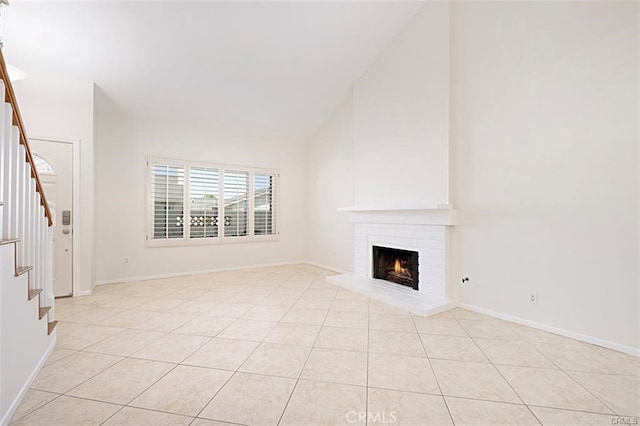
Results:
22 206
35 211
48 282
14 208
24 219
4 151
28 218
28 215
41 242
8 172
31 258
43 248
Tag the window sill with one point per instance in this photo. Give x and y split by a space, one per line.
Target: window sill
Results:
180 242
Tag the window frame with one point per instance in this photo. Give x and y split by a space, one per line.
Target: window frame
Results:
186 239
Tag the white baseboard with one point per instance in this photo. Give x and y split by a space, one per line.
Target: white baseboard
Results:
562 332
23 391
329 268
200 272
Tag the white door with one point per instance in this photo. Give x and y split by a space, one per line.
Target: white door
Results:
55 168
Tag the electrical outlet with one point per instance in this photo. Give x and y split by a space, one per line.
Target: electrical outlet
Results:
533 298
126 260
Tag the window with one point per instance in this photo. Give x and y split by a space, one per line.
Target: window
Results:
263 208
196 203
204 188
167 193
42 166
236 203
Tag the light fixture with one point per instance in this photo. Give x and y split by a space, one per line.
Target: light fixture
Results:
15 74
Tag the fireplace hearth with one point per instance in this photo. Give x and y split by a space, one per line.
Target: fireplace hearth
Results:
395 265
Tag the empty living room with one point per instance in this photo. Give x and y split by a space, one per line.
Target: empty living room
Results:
319 213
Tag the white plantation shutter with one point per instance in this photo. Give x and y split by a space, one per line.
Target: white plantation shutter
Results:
167 201
236 203
204 195
264 204
199 203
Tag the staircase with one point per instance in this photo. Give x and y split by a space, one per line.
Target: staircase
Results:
27 328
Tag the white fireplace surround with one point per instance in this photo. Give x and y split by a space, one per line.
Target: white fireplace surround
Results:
428 240
422 229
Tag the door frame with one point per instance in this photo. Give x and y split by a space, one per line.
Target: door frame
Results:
75 204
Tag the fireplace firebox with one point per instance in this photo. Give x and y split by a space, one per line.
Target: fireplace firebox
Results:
395 265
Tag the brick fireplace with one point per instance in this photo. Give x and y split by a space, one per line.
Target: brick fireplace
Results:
429 241
421 230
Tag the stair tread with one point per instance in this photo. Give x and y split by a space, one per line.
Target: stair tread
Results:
51 326
22 270
43 311
9 241
34 293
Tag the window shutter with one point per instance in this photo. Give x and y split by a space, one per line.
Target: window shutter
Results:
167 201
236 197
204 189
207 203
264 204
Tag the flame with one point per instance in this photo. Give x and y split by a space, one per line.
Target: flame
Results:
397 266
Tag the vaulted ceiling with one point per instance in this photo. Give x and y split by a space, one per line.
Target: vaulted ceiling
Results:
262 69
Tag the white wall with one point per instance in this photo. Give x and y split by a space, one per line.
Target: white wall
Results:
121 152
387 145
55 106
401 117
329 182
544 162
25 343
545 135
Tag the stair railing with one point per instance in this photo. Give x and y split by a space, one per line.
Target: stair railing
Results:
25 216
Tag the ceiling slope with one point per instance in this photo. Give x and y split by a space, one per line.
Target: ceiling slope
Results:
272 70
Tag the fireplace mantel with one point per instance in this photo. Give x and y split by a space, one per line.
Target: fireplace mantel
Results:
437 214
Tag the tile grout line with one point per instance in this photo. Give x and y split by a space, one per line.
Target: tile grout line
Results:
113 415
366 410
558 368
307 359
12 421
576 382
566 372
86 380
424 348
128 402
497 370
127 356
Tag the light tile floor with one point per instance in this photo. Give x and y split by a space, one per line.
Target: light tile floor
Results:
281 346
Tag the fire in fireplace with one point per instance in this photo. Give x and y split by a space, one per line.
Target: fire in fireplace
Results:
397 266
